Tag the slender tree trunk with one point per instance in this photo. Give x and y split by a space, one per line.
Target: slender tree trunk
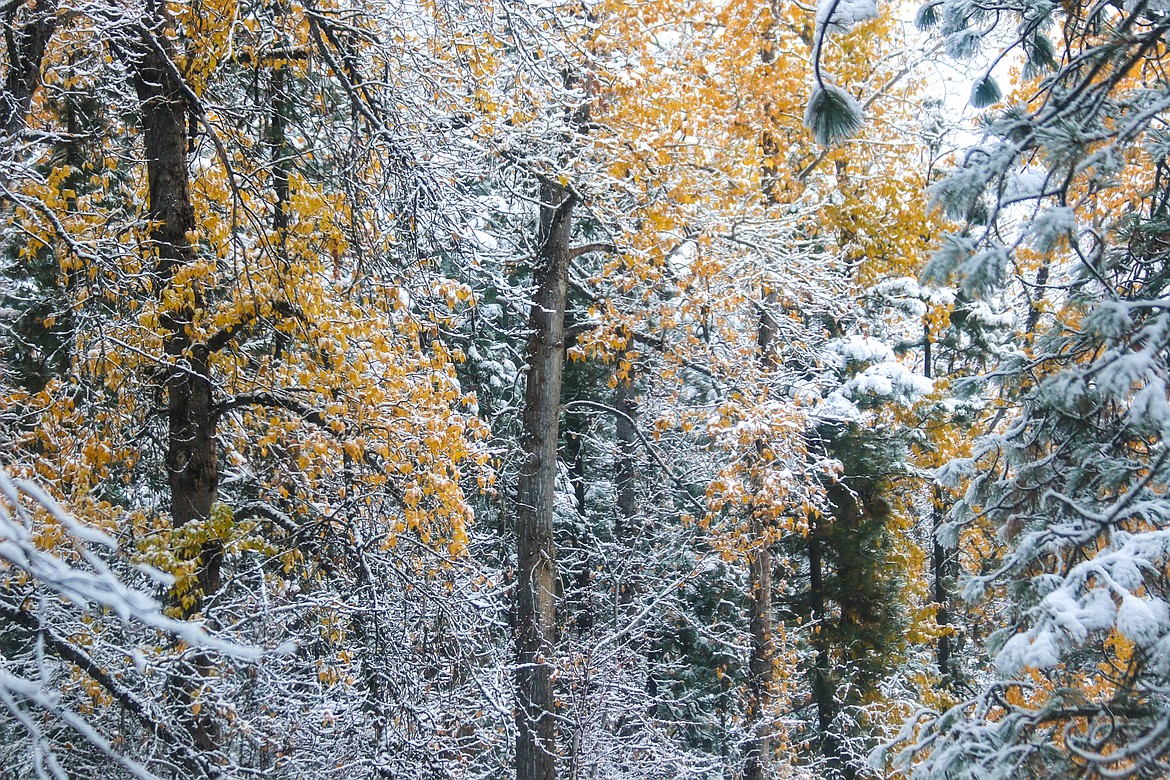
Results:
941 559
278 150
277 135
579 598
575 457
941 565
536 554
822 684
761 669
626 527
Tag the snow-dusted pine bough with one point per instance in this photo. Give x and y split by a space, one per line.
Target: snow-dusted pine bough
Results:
1061 215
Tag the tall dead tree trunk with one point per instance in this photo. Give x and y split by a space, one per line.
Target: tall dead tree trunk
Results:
536 578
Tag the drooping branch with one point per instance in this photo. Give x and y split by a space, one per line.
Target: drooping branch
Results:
224 336
129 701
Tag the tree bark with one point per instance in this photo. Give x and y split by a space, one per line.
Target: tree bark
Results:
760 668
192 469
579 597
191 464
25 43
822 684
627 527
941 559
536 577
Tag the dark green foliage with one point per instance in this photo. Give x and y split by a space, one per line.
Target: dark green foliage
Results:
986 92
699 677
34 320
857 536
833 115
843 587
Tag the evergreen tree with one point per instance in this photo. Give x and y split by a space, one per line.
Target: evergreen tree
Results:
1060 211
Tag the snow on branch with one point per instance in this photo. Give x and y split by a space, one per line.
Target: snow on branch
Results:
75 574
97 588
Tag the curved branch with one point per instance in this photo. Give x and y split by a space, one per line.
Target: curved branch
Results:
645 443
306 412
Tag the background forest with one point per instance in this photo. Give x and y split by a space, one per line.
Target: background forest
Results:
509 388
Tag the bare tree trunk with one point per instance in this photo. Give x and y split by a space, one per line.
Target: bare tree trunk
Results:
822 685
625 480
192 469
536 577
579 571
277 132
941 564
760 668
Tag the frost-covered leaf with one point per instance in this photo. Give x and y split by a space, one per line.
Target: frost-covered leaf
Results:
954 472
1119 374
1149 411
1040 56
1028 651
962 44
1023 185
927 16
1109 319
1157 143
952 254
1142 621
1062 143
985 272
960 191
861 349
890 381
840 15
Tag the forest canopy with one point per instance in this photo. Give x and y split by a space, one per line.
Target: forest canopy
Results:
495 388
